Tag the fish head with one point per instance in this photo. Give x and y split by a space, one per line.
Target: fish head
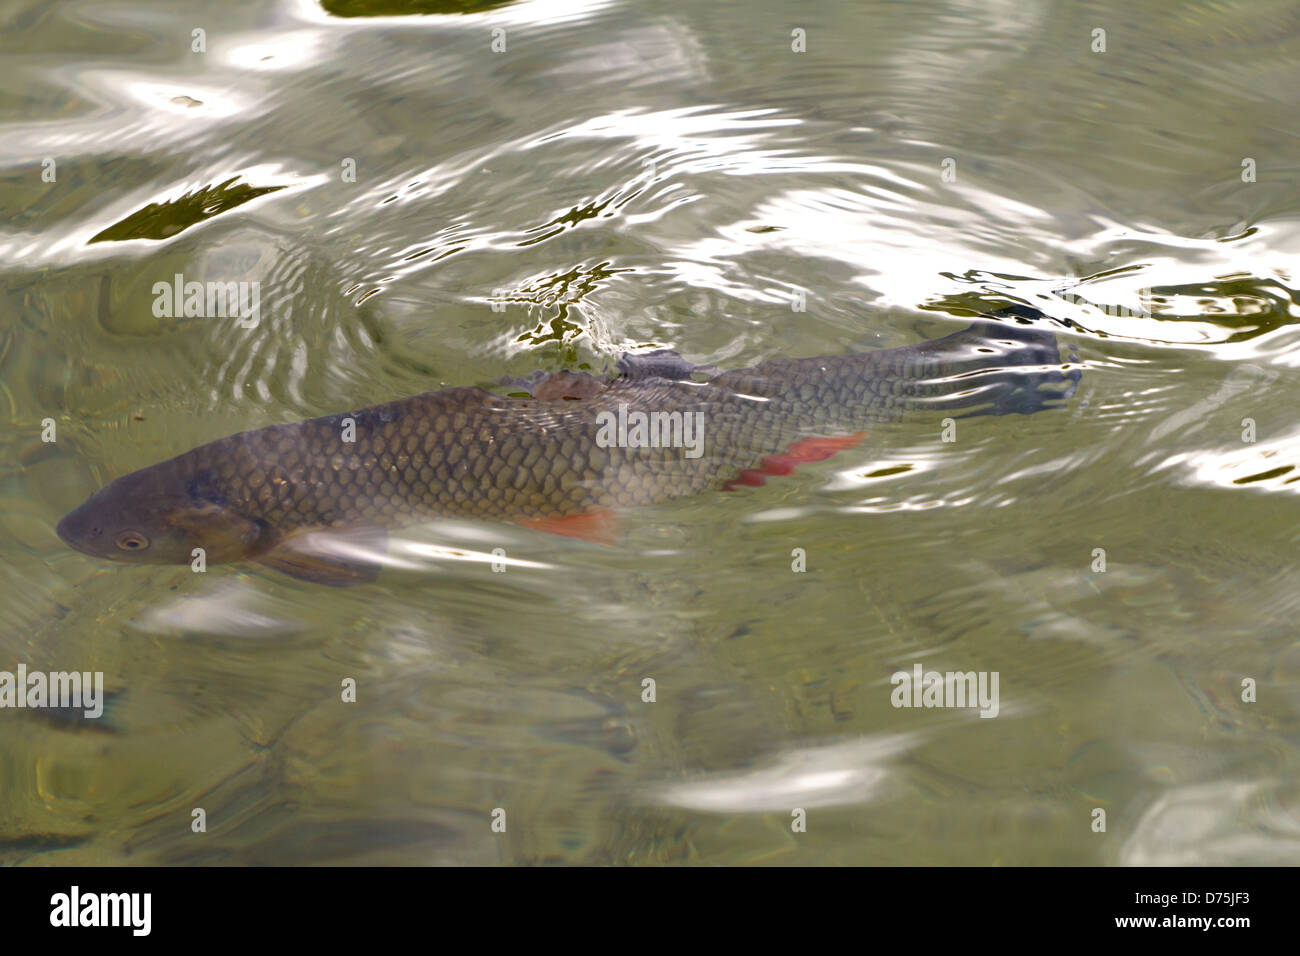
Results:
160 515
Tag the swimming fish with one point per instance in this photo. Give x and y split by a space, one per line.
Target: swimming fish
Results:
564 458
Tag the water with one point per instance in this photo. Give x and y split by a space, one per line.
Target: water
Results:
675 175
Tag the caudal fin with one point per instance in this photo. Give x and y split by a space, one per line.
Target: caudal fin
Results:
1022 369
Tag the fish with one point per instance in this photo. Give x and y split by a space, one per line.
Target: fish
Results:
570 452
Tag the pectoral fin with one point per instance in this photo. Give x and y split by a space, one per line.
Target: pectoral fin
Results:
335 558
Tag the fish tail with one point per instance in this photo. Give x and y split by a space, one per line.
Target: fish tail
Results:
1021 366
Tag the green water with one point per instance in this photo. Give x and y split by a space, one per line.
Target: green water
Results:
671 174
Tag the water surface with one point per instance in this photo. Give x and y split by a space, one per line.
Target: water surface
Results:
635 175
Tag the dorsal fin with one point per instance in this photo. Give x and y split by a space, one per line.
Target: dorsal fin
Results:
558 385
568 384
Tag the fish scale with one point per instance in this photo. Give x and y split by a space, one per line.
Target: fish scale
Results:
467 452
470 453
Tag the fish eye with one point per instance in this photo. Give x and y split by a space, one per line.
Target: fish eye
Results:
132 541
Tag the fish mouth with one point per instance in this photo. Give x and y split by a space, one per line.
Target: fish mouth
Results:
75 531
64 528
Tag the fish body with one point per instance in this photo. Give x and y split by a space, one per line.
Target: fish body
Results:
586 446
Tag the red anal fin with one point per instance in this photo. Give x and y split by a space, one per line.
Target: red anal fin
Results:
801 452
597 526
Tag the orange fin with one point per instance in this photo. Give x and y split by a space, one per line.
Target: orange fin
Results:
335 558
598 526
801 452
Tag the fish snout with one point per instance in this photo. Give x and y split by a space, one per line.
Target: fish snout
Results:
78 529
